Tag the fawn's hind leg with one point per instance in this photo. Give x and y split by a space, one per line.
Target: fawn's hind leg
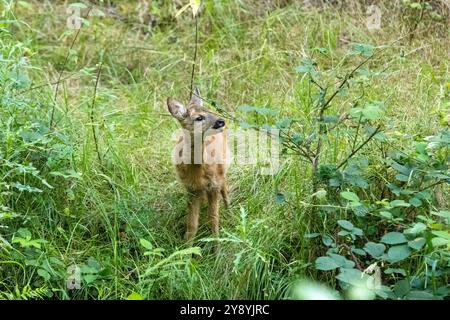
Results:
224 193
193 215
213 210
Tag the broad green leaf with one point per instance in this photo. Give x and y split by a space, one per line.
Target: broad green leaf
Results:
44 274
24 233
398 253
416 228
350 276
442 234
376 250
437 242
342 261
326 263
363 49
394 238
327 240
146 244
402 288
399 203
359 210
350 196
420 295
359 252
386 214
417 243
89 278
415 202
444 214
345 224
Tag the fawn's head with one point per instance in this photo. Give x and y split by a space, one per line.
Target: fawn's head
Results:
194 116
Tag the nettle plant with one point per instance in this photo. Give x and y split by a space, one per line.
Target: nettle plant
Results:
422 11
378 217
33 160
389 201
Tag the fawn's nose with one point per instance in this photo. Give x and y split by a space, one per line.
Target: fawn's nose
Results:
219 124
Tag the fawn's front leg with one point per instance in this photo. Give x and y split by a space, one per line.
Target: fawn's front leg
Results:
213 210
193 215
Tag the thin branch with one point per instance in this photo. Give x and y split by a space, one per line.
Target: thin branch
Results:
52 117
357 132
360 147
195 56
91 114
347 77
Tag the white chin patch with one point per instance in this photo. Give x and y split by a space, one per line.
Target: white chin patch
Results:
212 131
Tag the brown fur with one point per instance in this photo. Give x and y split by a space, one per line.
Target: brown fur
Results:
205 181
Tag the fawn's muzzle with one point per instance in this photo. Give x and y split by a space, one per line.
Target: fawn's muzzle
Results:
219 124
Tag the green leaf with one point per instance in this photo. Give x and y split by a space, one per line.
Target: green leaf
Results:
444 214
417 228
376 250
134 296
24 233
417 243
363 49
44 274
395 270
312 235
146 244
342 261
78 5
327 240
345 224
89 278
436 242
386 214
415 202
326 263
280 198
350 276
350 196
359 210
399 203
420 295
394 238
359 252
246 108
398 253
442 234
402 288
372 111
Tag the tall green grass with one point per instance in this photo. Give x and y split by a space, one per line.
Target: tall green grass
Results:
99 214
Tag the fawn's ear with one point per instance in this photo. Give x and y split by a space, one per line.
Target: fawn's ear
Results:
177 109
196 99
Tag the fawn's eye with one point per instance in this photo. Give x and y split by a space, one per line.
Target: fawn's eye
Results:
200 118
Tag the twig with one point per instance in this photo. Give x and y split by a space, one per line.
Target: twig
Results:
62 69
91 115
360 147
354 258
195 56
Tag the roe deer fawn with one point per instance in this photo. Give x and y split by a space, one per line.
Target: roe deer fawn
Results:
201 156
